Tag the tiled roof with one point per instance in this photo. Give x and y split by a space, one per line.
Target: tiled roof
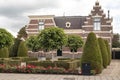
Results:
76 21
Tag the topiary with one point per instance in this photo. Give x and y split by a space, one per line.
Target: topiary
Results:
14 47
22 50
91 53
109 52
104 52
4 52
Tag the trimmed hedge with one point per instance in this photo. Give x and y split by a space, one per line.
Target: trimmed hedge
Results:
103 52
25 59
91 53
109 52
4 52
22 50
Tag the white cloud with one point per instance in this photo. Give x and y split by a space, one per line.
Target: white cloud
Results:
13 13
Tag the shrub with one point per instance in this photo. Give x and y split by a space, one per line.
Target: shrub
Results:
104 52
4 52
62 64
73 65
91 53
28 59
22 50
14 48
35 63
14 62
109 52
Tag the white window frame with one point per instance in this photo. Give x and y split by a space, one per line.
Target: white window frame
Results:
97 23
41 25
68 24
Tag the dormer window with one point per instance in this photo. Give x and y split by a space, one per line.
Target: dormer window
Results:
41 25
68 24
97 23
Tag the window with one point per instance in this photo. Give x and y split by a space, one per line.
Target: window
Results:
97 23
41 25
68 24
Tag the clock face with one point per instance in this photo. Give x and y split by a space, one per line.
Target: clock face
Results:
68 24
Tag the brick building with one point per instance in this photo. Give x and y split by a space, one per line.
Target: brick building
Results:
96 22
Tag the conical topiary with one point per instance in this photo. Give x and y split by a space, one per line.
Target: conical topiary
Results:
4 52
104 52
109 52
91 53
22 50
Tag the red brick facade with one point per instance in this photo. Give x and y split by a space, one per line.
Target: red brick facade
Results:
80 25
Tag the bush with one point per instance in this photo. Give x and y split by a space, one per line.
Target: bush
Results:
104 52
62 64
22 50
91 53
47 63
14 48
64 58
109 51
4 52
41 63
35 63
14 62
25 59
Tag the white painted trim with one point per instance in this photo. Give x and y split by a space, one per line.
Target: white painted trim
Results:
49 23
98 31
88 18
32 24
108 21
31 29
101 26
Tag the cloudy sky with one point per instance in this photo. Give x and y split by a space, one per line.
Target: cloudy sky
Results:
14 13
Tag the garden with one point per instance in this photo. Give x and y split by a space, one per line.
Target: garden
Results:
14 52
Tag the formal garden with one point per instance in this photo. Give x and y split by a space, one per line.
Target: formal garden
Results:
14 52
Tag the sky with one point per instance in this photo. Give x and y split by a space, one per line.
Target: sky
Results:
14 13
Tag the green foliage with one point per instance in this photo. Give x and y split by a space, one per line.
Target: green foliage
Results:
108 51
104 52
14 47
24 59
74 42
22 50
33 44
6 39
116 41
4 52
52 38
22 33
91 53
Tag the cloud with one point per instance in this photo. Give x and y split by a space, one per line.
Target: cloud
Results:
14 8
13 13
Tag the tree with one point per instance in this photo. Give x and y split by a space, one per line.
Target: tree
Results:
74 42
91 53
108 51
104 52
22 50
22 33
116 41
52 38
6 39
33 44
14 47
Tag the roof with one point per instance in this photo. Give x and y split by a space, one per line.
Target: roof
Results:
75 21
